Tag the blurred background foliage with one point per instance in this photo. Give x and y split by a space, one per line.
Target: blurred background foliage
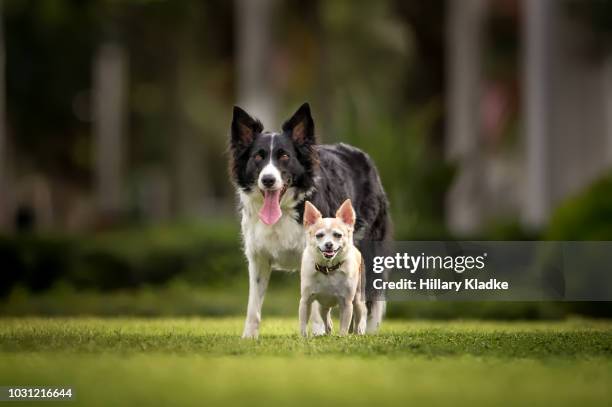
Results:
375 74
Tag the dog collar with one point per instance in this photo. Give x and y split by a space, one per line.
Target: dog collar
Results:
327 269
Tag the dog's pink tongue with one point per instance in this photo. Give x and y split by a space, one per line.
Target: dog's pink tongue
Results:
270 213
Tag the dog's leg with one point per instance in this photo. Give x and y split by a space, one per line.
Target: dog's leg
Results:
359 320
317 324
326 315
259 276
346 314
305 307
377 311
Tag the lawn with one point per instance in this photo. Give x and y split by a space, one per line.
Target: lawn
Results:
203 362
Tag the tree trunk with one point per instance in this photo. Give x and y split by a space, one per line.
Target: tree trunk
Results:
4 198
189 180
109 105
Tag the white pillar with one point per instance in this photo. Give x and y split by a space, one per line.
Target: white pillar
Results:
253 22
463 51
536 103
109 107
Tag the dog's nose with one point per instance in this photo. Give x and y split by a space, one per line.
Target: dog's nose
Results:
268 181
329 246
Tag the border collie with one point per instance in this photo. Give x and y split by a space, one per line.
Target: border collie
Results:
274 174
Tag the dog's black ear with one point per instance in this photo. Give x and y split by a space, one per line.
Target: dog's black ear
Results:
244 128
301 126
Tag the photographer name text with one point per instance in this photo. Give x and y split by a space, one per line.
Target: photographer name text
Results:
439 284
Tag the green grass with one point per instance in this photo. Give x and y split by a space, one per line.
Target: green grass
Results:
203 362
181 299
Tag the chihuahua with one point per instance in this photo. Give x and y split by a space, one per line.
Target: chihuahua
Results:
332 270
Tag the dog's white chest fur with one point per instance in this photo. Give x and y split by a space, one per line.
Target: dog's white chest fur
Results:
328 288
282 242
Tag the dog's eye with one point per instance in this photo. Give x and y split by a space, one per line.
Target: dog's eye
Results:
284 157
319 235
258 157
337 235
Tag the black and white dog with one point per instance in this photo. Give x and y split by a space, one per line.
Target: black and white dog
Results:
275 173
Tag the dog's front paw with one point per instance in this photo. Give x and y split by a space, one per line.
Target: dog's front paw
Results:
372 328
361 328
250 333
318 329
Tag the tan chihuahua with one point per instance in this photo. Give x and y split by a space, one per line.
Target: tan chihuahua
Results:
332 270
